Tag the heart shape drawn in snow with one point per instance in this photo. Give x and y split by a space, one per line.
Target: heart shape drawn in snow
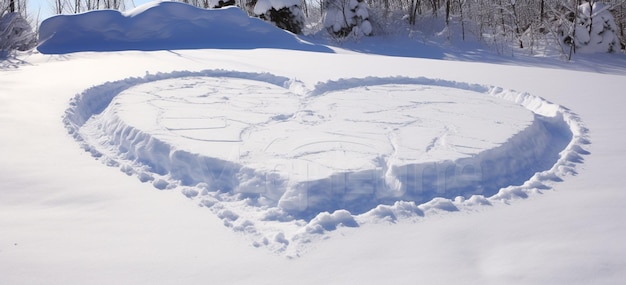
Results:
262 150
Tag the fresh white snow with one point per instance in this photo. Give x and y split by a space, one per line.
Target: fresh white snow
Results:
160 26
154 116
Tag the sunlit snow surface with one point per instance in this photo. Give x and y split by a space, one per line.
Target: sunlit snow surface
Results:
271 156
285 161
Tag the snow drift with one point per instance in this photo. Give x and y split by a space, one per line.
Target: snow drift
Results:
163 26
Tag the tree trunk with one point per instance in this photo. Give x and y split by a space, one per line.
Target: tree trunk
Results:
462 20
12 6
58 7
590 16
412 9
305 8
573 42
517 29
502 17
621 23
447 12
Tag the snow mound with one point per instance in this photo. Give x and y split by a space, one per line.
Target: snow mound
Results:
284 165
163 26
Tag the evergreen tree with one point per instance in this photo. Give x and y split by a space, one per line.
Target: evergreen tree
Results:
596 30
347 17
285 14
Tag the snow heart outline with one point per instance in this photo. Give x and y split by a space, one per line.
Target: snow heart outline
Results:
313 210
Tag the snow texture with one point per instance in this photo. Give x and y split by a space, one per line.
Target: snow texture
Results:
356 148
163 26
200 213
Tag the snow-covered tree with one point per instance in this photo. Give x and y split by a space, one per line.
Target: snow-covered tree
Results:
285 14
596 30
593 30
347 17
15 33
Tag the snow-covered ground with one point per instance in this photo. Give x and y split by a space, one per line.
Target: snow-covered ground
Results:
269 165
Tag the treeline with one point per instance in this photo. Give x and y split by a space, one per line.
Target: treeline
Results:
569 26
79 6
526 24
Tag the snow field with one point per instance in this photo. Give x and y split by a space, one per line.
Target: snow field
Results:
271 160
67 219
